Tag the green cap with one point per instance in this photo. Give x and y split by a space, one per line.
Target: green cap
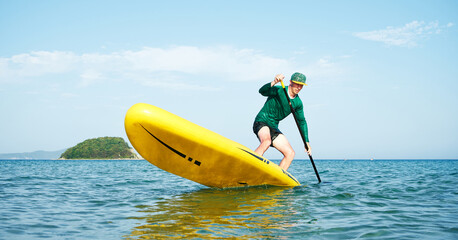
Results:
298 78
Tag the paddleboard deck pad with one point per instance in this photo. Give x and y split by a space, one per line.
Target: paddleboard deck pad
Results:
181 147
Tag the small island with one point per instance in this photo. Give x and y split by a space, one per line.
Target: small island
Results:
101 148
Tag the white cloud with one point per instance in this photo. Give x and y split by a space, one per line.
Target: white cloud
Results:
148 66
327 69
407 35
36 63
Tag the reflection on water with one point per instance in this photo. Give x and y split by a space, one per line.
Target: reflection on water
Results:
413 199
211 213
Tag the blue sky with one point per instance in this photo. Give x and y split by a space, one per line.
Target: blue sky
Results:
382 75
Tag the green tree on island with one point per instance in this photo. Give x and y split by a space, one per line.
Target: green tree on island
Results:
100 148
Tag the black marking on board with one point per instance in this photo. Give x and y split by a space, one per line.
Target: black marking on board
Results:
267 161
256 156
289 175
163 143
173 149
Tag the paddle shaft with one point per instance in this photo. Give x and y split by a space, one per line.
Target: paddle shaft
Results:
302 134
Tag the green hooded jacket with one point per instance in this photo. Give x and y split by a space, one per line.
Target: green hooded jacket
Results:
277 108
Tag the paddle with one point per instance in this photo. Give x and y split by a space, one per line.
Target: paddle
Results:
302 134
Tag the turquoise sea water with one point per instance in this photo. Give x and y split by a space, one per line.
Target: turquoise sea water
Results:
381 199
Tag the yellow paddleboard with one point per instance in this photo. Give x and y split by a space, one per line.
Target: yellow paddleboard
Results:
183 148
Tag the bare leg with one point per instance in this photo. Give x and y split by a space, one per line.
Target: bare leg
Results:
282 144
264 138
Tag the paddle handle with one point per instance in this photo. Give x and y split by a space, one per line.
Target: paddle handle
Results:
302 134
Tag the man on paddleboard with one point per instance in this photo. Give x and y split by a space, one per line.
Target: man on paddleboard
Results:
275 109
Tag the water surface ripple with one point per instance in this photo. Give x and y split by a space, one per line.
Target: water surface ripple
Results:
389 199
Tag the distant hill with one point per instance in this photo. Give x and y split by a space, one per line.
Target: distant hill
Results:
100 148
33 155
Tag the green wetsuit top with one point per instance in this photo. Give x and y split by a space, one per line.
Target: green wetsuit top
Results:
277 108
